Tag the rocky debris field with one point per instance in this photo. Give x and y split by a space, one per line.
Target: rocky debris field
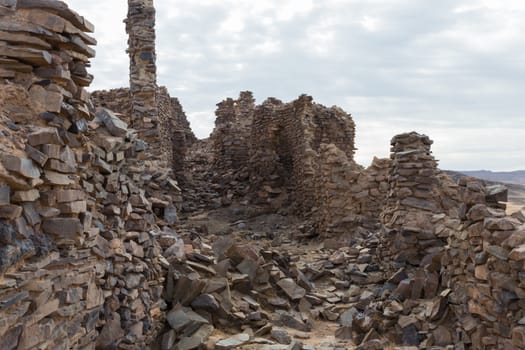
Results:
119 230
247 281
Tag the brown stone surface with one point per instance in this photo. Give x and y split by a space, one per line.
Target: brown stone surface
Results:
101 248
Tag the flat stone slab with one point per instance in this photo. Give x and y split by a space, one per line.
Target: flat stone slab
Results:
291 289
232 342
23 166
62 226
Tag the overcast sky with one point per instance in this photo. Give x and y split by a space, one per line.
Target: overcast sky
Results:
452 69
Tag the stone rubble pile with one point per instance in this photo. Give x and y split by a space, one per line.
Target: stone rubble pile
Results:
262 296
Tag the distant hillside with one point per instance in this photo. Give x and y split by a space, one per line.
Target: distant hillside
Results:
515 177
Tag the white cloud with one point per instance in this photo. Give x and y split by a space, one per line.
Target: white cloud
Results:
370 24
452 69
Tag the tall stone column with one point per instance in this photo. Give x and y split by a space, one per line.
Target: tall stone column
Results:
140 26
412 202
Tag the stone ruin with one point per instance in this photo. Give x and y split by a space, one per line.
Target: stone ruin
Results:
298 154
93 253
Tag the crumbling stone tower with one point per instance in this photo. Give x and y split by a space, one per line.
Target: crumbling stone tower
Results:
412 201
140 26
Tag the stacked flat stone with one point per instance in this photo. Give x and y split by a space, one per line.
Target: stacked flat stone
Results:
374 182
130 205
182 138
334 182
231 134
175 135
278 145
167 130
348 196
266 168
484 268
116 100
49 291
412 200
182 121
140 26
79 212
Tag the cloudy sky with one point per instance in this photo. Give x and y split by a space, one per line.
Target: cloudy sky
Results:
452 69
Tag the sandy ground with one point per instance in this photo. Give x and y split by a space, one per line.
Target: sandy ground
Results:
516 199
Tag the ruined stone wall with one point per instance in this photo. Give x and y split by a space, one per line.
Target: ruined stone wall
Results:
175 134
140 26
276 146
348 196
451 246
232 130
270 160
182 122
484 268
80 210
295 132
155 115
175 131
45 229
412 201
116 100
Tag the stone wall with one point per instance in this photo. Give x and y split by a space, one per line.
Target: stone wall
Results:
43 301
450 245
140 26
484 268
175 134
348 196
116 100
413 199
232 131
80 210
182 123
292 134
275 146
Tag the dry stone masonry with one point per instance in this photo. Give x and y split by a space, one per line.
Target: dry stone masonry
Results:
175 135
102 248
140 26
276 145
80 266
412 200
